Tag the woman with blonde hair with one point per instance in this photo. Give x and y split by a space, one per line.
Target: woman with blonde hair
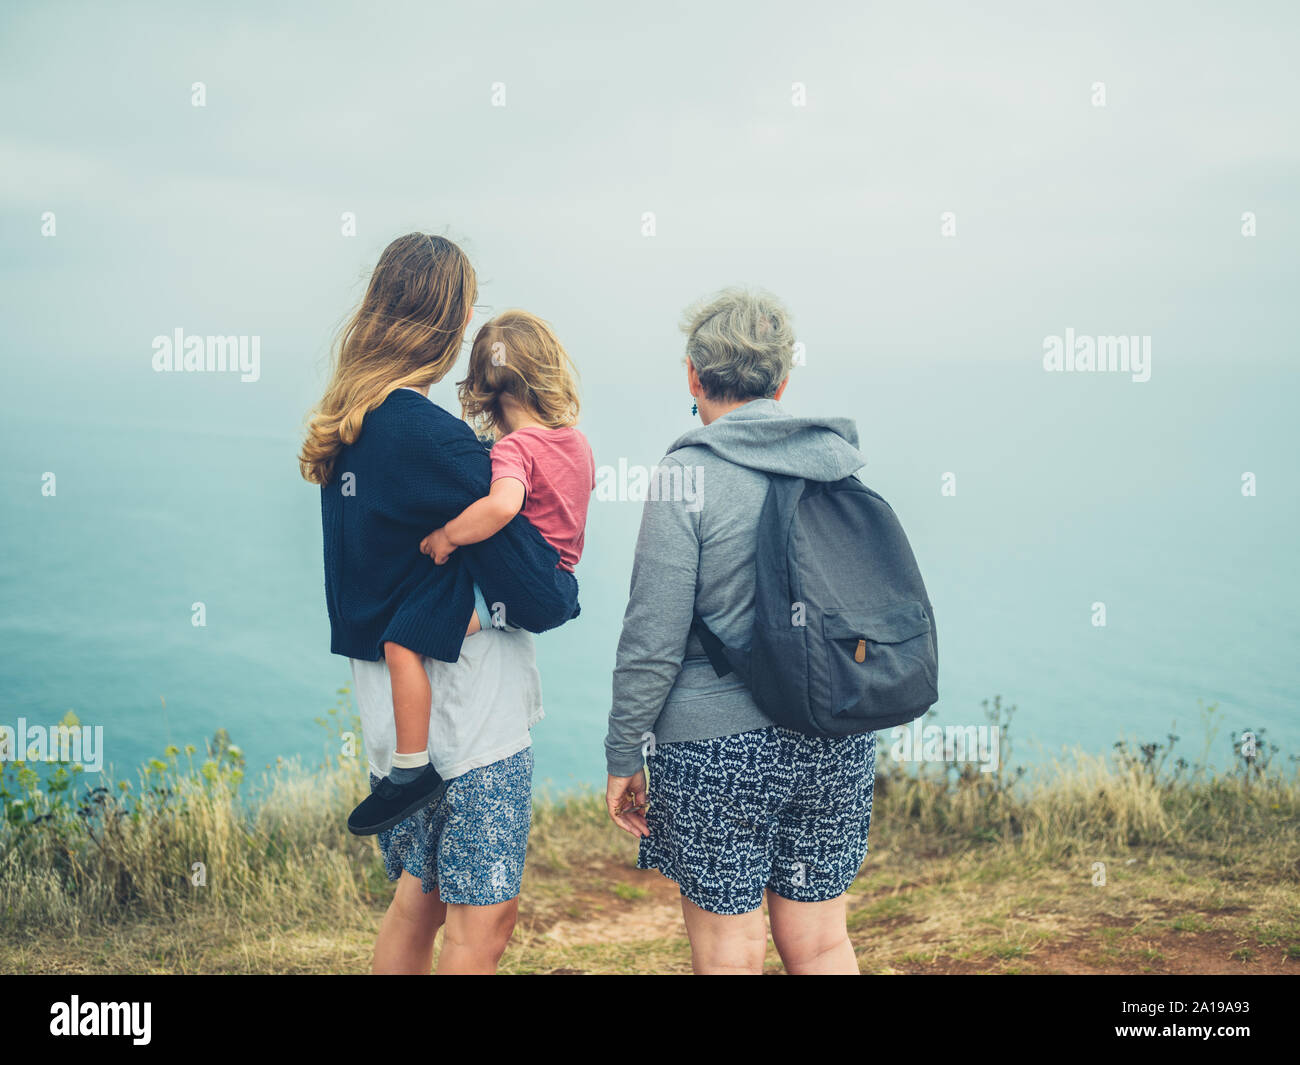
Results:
392 465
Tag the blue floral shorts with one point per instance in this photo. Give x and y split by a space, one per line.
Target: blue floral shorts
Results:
768 809
470 841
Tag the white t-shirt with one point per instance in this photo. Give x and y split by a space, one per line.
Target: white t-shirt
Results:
483 704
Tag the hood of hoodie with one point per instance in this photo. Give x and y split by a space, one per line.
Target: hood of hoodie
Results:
761 436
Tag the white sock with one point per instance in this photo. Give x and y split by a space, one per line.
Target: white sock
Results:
406 767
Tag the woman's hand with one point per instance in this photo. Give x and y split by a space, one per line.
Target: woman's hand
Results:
438 546
625 797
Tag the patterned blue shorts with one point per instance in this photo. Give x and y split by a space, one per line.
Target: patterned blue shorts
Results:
470 841
766 809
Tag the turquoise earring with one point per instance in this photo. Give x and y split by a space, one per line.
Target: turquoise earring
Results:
695 409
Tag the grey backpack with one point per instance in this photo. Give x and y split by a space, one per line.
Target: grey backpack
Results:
844 637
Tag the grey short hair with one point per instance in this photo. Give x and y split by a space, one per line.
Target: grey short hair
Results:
741 344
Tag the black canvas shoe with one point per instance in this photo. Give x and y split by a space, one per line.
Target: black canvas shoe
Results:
390 803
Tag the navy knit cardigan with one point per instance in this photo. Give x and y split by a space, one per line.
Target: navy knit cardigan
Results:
414 468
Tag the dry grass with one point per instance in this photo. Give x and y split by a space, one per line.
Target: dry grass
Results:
968 873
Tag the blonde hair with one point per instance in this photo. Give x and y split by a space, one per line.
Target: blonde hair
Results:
407 332
516 354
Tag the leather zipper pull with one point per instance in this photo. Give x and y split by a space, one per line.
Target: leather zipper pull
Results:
860 655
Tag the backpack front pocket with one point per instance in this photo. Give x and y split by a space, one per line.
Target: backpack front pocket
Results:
880 659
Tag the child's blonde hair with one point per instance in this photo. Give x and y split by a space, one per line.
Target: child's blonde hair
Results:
516 354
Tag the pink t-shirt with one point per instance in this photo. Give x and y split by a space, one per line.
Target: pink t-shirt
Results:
558 473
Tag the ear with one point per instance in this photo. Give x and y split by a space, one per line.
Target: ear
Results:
780 389
693 380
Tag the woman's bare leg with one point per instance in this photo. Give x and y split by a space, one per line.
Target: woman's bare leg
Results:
476 937
812 937
725 944
405 943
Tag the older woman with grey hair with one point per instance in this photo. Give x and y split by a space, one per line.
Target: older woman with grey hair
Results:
738 808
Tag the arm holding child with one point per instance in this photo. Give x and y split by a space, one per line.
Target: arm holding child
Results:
479 521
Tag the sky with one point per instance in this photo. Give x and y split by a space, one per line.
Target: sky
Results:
226 218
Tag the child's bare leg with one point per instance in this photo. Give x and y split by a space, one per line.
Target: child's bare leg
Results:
411 699
473 625
413 781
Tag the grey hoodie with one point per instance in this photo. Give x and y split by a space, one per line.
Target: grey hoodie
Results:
695 554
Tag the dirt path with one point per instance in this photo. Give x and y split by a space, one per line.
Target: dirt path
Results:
631 907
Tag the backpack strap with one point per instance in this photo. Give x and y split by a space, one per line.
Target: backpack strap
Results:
713 647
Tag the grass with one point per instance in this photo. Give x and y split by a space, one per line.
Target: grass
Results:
1134 862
